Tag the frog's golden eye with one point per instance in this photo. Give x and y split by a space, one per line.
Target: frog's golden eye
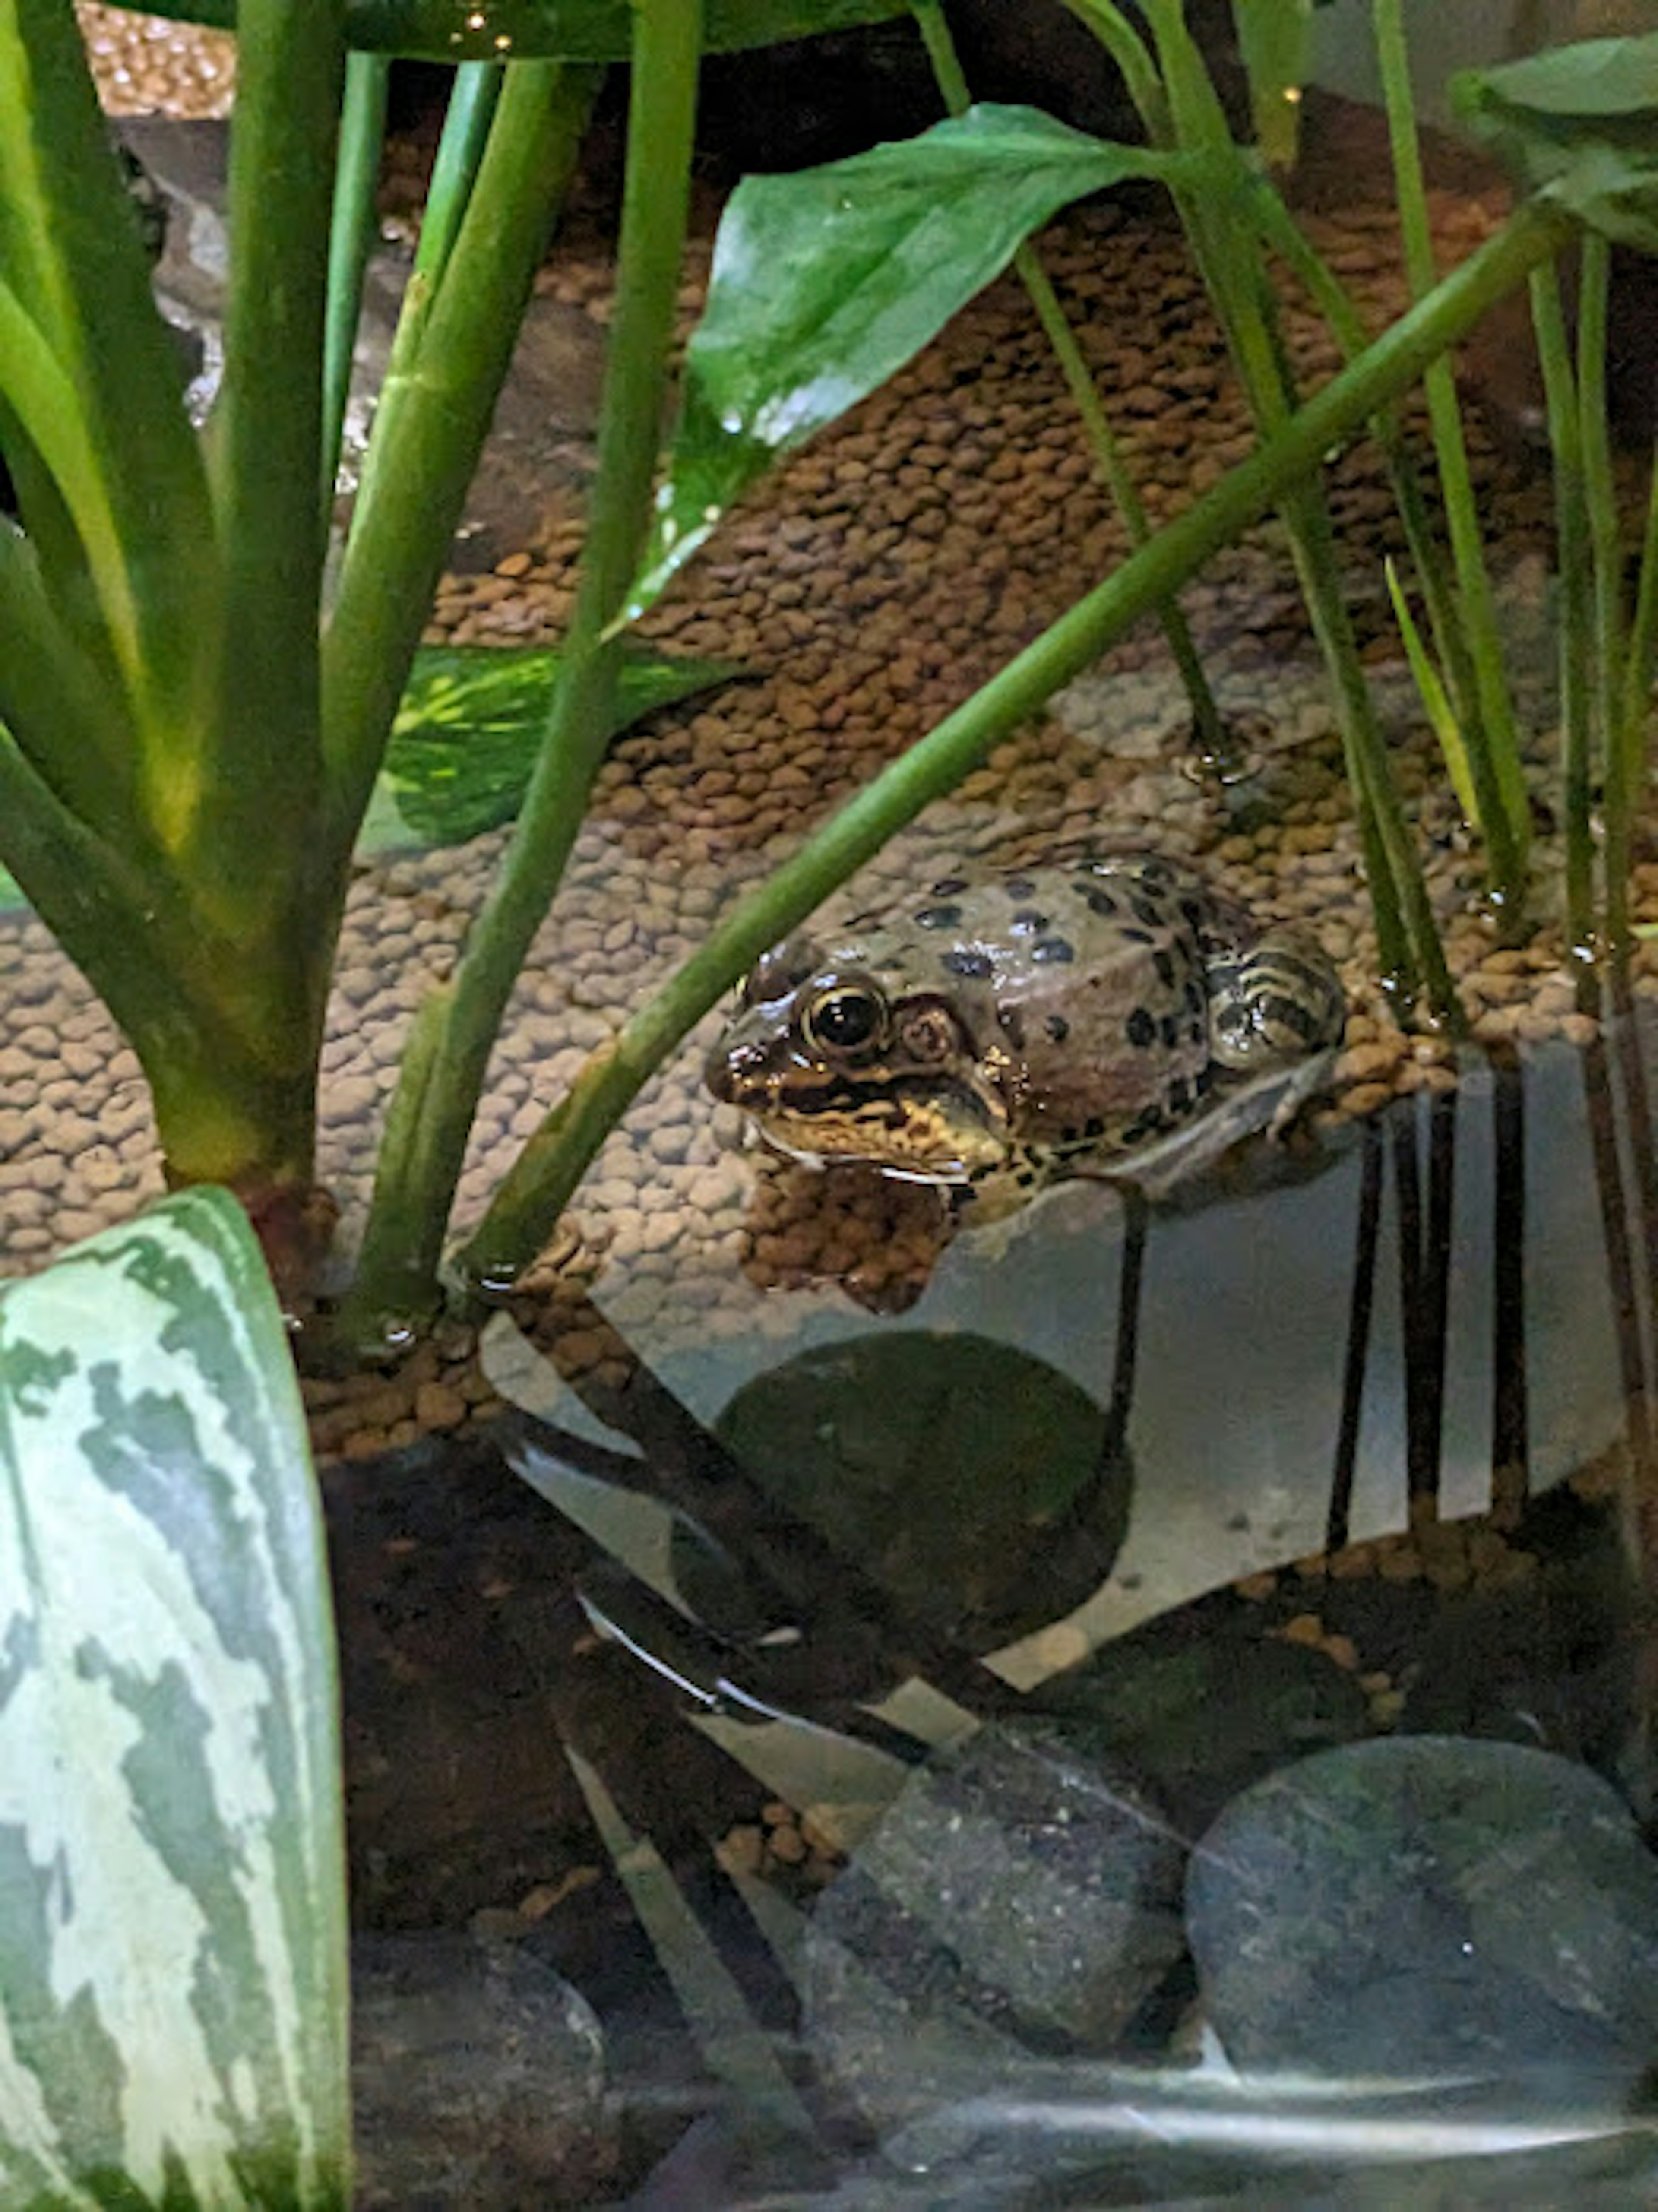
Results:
849 1020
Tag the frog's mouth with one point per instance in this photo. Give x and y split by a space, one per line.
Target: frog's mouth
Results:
946 1135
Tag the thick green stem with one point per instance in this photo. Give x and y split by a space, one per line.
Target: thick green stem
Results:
1214 746
1577 638
402 1246
434 413
1640 652
251 850
541 1182
1491 738
351 238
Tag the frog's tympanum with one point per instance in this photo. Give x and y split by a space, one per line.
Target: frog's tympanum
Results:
1107 1013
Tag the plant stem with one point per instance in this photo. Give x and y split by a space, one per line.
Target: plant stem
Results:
540 1184
1214 744
400 1255
1621 774
1640 652
433 416
473 100
259 785
1492 741
1228 258
1577 640
351 237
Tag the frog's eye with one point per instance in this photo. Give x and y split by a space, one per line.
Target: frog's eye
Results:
846 1020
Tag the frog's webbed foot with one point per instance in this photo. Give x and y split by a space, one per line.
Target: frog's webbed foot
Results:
1270 1102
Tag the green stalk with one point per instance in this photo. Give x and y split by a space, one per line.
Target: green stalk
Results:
1214 743
1229 260
257 795
73 725
1576 621
1133 57
434 413
1621 771
473 100
401 1250
539 1186
1286 238
351 238
1641 654
1493 741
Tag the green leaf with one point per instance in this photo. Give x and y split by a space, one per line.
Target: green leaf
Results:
564 30
1578 125
466 736
173 1978
826 282
1273 38
946 1466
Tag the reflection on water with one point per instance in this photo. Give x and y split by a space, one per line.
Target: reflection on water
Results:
1312 1876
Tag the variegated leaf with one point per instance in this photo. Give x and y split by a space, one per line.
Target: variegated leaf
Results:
172 1992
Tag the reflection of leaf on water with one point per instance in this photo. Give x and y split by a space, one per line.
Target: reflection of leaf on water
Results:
971 1479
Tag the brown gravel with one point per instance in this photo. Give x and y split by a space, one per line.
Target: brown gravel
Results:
150 66
885 573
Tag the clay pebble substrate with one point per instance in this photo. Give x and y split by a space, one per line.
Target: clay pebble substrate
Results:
883 574
149 65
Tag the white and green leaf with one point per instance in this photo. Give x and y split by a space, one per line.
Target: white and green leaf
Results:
172 1991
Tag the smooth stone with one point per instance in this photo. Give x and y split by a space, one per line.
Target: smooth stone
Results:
1020 1895
478 2077
1202 1707
1431 1906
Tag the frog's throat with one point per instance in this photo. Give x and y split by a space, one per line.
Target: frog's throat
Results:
955 1140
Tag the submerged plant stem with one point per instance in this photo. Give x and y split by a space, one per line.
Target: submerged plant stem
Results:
1621 773
539 1186
401 1251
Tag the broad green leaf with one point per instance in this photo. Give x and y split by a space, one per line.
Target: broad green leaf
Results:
1274 37
467 733
172 1990
1579 125
951 1467
568 30
826 282
73 259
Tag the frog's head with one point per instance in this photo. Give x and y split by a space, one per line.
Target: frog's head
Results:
834 1060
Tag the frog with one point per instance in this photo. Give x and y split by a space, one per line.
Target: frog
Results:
1105 1013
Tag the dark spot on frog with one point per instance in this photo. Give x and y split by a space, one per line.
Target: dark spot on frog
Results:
1019 887
947 886
1012 1022
1103 903
938 917
1027 922
1168 1031
1197 1029
1180 1095
1094 1126
1057 1027
1165 967
1202 1080
1051 948
1146 912
1192 913
976 966
1134 936
1193 996
1140 1029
